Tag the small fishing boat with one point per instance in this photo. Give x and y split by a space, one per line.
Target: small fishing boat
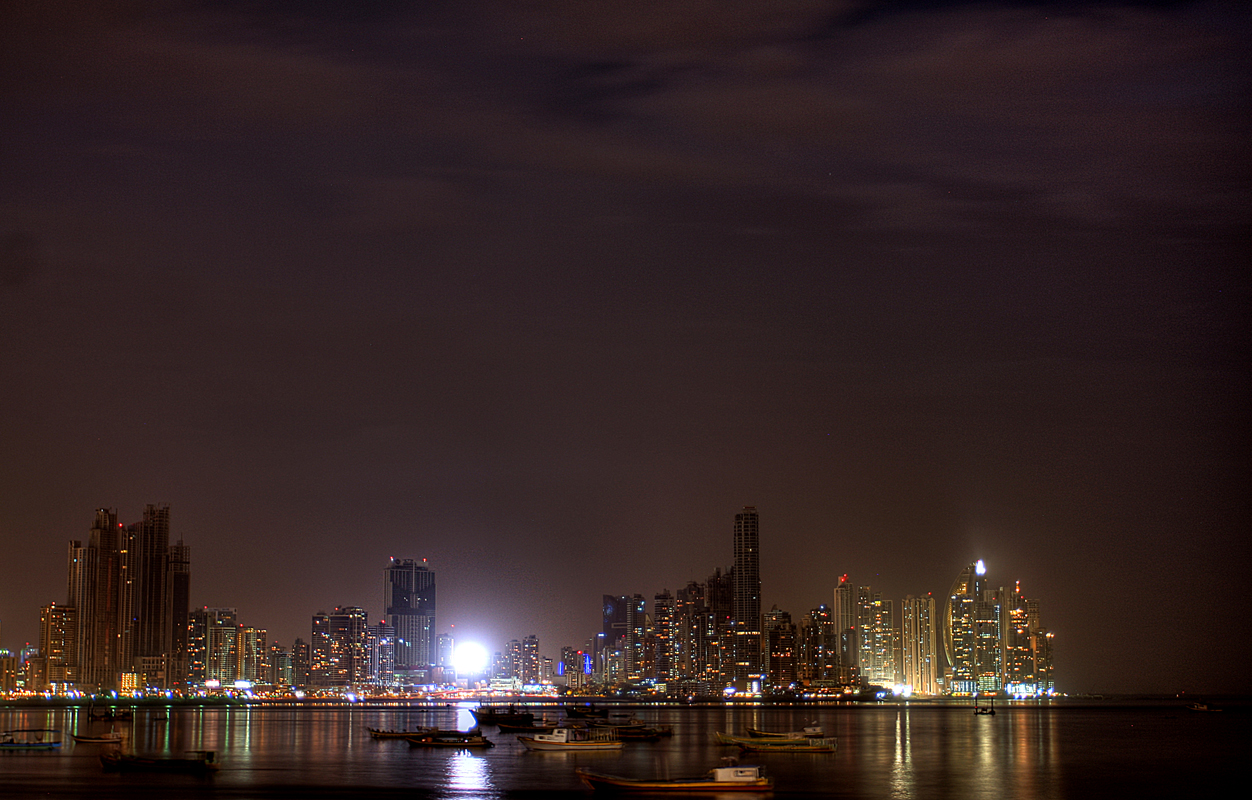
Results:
811 731
196 762
110 714
112 737
494 715
30 739
788 745
586 712
730 777
454 739
573 739
378 733
643 733
532 728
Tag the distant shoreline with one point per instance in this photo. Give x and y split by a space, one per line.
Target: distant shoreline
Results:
1231 702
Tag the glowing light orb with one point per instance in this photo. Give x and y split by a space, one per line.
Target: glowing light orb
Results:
469 658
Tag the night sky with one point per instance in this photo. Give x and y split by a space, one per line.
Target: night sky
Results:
545 292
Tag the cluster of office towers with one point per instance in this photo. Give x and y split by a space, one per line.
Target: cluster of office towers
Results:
344 652
127 625
125 617
711 637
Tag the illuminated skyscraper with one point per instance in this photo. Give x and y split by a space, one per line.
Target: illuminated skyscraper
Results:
844 614
879 638
58 645
664 624
919 651
129 587
780 638
960 639
973 634
338 656
380 642
409 607
747 609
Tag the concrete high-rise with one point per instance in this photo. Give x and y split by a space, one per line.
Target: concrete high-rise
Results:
409 608
918 645
747 604
844 614
58 645
178 588
339 656
129 587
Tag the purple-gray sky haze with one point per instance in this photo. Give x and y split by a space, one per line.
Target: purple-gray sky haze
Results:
546 291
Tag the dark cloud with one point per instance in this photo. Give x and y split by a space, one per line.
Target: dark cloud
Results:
19 259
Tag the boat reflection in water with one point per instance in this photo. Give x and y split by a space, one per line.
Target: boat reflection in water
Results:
195 762
730 777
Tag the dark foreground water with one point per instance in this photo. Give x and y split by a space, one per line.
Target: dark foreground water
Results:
933 752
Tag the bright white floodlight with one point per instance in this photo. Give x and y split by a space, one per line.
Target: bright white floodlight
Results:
469 658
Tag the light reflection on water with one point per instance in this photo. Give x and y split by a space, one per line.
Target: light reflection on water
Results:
900 752
469 775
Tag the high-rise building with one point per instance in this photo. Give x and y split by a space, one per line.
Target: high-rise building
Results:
94 570
521 660
409 607
819 647
146 621
747 609
919 649
972 634
301 663
845 619
780 637
178 585
338 653
1027 646
129 587
221 642
280 665
959 640
58 643
664 631
879 638
254 665
380 641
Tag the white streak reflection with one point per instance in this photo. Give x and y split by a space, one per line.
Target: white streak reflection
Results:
469 776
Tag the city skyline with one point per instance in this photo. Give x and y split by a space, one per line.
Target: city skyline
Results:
711 636
542 292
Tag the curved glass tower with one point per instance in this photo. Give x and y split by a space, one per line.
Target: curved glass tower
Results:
960 629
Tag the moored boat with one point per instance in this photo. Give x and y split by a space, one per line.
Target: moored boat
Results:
455 739
30 739
568 739
531 728
196 761
378 733
643 733
586 712
494 715
730 777
112 737
788 745
813 731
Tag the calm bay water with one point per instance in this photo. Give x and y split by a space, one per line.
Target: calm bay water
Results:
917 751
